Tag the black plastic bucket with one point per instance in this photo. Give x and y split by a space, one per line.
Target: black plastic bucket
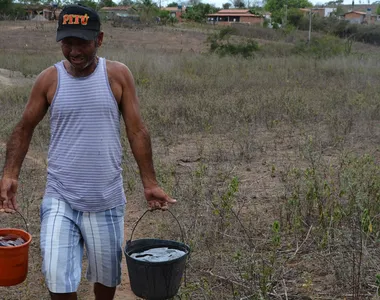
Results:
155 280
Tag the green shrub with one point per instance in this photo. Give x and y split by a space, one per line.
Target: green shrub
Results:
324 47
367 34
221 44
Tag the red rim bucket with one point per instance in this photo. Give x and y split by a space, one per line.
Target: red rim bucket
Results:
14 260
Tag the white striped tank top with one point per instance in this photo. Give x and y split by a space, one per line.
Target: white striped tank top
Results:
84 159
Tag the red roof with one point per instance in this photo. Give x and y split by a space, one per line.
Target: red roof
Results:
116 8
234 15
174 9
233 11
356 12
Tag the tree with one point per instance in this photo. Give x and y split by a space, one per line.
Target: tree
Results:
199 12
126 3
294 17
194 2
277 7
227 5
173 4
339 10
378 10
147 10
256 10
5 6
107 3
89 3
239 3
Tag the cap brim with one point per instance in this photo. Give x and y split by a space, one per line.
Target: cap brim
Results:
83 34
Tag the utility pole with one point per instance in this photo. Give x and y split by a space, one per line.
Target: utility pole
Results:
310 26
286 13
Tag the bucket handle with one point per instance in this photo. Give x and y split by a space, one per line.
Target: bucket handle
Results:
23 218
148 210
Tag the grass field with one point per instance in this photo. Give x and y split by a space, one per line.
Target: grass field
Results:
274 160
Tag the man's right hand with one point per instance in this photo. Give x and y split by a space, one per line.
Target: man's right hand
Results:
8 190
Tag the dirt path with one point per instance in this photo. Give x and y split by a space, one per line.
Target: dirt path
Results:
13 78
124 291
33 157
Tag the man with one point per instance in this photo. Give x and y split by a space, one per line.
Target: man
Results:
84 201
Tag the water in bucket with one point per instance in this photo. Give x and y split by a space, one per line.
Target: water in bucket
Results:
11 240
160 254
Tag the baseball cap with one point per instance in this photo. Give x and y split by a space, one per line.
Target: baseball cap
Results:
78 21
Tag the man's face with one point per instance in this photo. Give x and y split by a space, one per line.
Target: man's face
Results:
80 53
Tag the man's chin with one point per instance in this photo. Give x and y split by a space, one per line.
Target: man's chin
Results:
78 66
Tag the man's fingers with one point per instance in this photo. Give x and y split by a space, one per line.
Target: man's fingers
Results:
153 205
3 194
170 200
5 203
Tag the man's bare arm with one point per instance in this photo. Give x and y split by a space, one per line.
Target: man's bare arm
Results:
35 110
138 135
139 140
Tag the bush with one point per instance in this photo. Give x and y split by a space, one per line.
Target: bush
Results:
258 32
220 44
369 35
343 29
324 47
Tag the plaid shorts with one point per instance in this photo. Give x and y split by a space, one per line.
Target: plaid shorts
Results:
64 235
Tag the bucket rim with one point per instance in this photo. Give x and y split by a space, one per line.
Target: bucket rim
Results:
156 263
2 230
161 240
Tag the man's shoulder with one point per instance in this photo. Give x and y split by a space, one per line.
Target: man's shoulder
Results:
47 76
117 69
113 65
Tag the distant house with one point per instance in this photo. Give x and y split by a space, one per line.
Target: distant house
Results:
228 16
175 12
320 11
359 17
110 13
357 7
356 17
41 12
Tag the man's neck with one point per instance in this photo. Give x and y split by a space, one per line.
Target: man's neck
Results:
88 70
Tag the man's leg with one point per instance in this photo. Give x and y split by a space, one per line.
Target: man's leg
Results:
62 248
103 292
103 234
67 296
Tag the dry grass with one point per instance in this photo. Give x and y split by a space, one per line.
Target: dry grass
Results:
274 161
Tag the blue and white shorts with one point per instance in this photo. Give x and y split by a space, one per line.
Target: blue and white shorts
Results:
64 234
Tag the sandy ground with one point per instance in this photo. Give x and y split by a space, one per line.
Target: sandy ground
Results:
13 78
